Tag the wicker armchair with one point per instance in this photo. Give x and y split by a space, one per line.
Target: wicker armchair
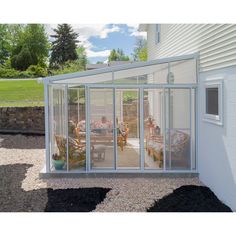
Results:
178 144
76 151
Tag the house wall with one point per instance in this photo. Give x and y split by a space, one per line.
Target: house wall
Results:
217 144
216 43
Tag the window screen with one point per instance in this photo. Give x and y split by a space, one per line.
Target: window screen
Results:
212 106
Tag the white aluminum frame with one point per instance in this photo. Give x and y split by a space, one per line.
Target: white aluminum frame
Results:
57 80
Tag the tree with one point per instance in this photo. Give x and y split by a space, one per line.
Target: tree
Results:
82 56
5 46
117 55
23 59
64 45
140 50
113 55
121 55
30 48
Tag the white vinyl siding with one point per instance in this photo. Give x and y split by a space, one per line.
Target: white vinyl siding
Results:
215 43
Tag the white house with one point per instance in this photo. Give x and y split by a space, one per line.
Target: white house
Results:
216 95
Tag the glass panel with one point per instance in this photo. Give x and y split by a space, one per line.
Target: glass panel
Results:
178 149
76 128
153 128
179 108
142 75
212 101
183 72
57 128
178 129
101 128
160 75
127 123
99 78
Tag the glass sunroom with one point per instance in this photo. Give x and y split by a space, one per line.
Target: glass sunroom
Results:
137 117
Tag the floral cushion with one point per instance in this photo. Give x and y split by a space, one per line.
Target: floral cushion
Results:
178 141
177 137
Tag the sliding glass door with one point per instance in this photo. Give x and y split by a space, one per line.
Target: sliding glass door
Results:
127 113
101 128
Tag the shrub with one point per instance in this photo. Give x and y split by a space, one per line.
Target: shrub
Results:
9 73
36 71
33 71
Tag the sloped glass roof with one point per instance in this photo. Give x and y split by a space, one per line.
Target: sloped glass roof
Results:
174 70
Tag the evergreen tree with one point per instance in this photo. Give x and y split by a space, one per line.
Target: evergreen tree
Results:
64 45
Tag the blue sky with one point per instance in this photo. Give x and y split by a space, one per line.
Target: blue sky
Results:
100 39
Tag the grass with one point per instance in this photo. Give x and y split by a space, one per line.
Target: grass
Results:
21 93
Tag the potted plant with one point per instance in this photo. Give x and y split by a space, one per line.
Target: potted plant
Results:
58 161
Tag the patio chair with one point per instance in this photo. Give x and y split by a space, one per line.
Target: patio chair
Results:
178 145
76 151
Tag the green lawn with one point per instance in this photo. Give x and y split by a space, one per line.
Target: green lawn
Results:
21 93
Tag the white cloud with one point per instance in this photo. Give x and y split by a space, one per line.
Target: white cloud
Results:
138 34
104 53
95 30
133 30
133 26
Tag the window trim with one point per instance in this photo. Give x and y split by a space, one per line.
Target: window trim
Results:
158 34
215 119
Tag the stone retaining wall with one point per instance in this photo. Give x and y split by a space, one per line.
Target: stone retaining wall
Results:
22 120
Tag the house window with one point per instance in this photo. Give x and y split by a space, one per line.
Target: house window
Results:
158 33
213 102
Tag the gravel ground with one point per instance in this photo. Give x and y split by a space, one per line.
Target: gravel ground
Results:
126 195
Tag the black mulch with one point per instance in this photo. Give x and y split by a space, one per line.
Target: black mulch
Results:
190 198
14 199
